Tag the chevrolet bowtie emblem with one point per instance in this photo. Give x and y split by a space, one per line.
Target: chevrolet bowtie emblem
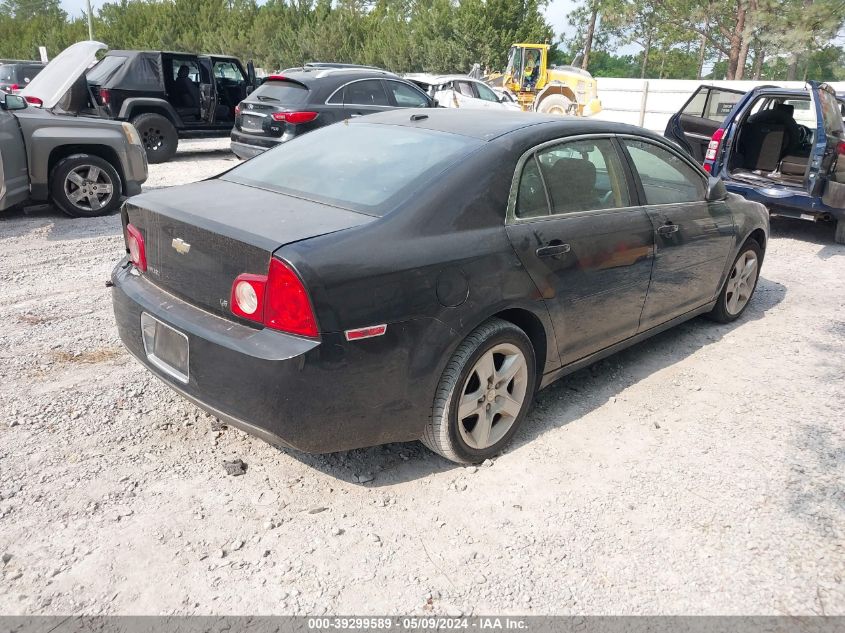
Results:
180 245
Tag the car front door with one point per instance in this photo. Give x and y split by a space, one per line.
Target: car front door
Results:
703 113
575 224
14 175
405 95
693 236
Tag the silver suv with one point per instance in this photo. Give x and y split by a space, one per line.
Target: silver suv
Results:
83 165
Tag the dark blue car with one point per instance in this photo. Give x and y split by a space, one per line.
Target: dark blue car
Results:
782 147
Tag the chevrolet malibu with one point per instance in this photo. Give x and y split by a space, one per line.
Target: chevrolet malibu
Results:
418 275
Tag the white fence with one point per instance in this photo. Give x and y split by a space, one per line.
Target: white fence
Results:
650 102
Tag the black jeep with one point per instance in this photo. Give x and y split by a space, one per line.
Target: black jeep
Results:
168 96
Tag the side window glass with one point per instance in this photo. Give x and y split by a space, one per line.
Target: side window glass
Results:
368 92
584 176
465 89
405 96
666 178
531 199
227 70
696 105
337 97
191 71
719 104
485 93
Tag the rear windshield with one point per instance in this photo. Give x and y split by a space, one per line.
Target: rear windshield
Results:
369 168
285 92
103 71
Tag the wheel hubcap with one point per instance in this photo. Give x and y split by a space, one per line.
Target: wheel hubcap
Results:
88 188
741 282
153 139
492 396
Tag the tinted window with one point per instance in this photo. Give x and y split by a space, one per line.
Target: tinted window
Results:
8 73
368 92
666 178
368 168
228 70
696 105
485 93
720 103
193 69
531 201
27 73
286 92
100 73
583 176
405 96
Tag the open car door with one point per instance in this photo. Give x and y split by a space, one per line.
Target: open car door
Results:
703 113
828 145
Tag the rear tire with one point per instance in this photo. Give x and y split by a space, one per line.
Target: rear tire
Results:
555 104
158 135
740 285
839 235
85 186
484 394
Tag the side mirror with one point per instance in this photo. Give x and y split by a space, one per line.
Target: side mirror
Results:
716 189
13 102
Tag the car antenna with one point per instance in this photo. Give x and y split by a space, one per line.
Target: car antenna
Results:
418 117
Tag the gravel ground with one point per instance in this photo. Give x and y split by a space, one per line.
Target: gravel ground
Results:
700 472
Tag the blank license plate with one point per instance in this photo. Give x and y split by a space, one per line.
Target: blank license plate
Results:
166 347
251 124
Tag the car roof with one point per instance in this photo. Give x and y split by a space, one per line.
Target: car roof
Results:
302 74
437 79
487 125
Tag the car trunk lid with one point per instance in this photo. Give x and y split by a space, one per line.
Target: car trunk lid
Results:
198 238
277 94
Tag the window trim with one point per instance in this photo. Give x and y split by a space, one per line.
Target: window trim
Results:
634 195
638 184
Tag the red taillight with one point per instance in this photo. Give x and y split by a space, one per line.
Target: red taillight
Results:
713 146
238 110
105 97
34 101
278 300
840 149
136 248
14 87
294 117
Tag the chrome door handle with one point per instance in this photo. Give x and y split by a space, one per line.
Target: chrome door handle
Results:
668 229
552 250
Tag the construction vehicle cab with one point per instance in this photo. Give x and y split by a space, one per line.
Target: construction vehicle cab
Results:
555 89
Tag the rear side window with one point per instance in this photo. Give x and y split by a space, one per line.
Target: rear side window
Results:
104 70
371 168
666 177
368 92
285 92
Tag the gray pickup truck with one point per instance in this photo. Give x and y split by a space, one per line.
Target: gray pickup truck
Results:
83 165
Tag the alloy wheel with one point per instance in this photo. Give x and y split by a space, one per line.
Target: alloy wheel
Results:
88 187
492 396
741 282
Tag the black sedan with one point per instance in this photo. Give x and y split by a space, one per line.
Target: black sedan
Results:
420 274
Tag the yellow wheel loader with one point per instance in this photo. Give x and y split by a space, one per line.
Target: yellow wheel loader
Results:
538 87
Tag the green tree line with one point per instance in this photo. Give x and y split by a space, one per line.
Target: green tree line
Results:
402 35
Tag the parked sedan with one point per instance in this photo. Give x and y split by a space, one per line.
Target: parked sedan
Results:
461 91
424 277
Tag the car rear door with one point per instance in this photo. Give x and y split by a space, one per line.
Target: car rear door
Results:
693 237
14 175
364 96
704 112
829 141
405 95
575 225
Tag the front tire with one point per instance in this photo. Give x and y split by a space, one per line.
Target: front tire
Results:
839 235
740 285
86 186
158 135
484 394
555 104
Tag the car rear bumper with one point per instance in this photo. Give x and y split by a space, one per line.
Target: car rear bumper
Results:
794 203
316 396
249 145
